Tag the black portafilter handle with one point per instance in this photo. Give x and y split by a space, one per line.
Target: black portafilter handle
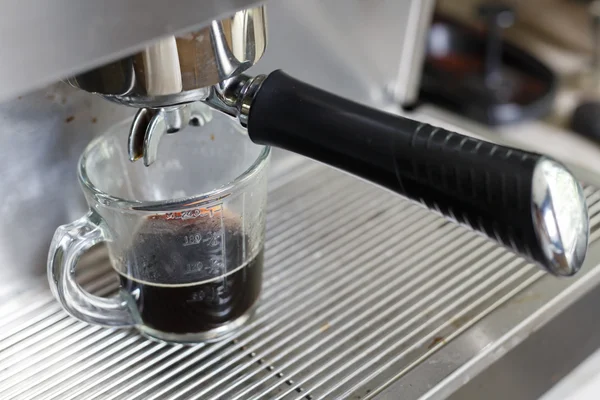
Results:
525 201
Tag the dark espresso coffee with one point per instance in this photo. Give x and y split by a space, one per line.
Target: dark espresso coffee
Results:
218 286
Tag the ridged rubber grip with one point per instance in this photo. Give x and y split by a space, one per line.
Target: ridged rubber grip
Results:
482 185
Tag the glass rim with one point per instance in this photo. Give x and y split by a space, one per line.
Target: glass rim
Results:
194 201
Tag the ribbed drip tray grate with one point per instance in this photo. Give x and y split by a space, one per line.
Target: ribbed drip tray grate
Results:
360 287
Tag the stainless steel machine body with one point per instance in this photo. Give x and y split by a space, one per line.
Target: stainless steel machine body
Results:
422 347
43 42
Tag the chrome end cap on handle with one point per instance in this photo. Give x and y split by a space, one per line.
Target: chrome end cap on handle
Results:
560 217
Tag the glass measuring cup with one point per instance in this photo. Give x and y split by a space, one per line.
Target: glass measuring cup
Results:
185 235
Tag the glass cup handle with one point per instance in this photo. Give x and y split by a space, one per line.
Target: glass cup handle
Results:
69 243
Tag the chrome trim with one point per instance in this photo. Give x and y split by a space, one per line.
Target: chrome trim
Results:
234 96
560 217
179 69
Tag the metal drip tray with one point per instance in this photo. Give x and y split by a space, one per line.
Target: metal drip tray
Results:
365 295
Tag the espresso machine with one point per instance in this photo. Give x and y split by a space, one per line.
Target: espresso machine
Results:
523 200
153 62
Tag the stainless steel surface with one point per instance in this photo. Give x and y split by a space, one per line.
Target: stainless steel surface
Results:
520 374
42 137
405 88
353 48
179 69
520 350
560 217
43 41
358 296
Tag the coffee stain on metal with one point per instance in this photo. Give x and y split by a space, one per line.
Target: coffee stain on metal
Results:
436 340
